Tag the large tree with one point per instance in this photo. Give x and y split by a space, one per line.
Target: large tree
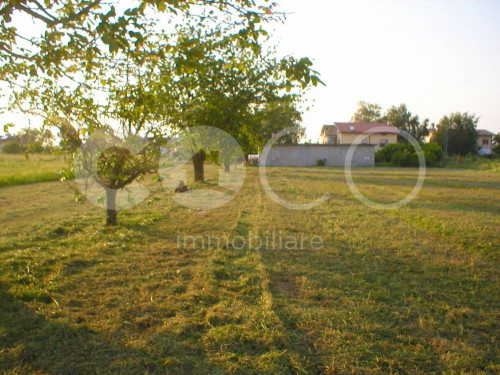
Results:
94 66
457 133
230 88
75 30
278 114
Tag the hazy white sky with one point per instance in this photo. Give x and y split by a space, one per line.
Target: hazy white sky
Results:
436 56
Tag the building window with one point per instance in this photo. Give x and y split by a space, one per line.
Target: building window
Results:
486 142
384 142
365 141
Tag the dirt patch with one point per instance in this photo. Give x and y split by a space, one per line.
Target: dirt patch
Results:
285 287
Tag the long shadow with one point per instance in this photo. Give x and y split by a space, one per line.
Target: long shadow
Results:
33 343
402 180
384 296
299 342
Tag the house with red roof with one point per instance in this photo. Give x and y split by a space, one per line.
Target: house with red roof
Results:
377 134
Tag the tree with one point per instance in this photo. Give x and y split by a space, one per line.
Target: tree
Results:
12 147
35 140
228 88
496 145
367 112
403 119
422 131
96 67
73 31
279 114
457 133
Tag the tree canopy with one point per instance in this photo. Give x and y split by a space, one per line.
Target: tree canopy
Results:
457 133
496 144
367 112
402 118
398 116
145 71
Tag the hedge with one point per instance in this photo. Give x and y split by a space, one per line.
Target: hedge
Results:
404 154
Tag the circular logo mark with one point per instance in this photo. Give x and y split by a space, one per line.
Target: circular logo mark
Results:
381 206
105 163
202 149
265 182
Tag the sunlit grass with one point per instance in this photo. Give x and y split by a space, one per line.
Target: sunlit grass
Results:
410 291
19 170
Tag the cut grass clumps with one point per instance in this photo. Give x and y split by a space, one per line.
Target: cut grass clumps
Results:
407 291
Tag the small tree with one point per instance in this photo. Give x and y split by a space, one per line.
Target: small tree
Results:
107 161
35 140
457 133
367 112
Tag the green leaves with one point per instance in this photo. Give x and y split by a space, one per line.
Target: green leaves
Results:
7 126
367 112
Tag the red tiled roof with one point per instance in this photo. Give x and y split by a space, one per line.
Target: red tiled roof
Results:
485 132
366 127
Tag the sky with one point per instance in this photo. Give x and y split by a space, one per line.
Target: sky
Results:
436 56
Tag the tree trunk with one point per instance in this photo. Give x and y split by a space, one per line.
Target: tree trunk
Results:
227 167
199 171
111 207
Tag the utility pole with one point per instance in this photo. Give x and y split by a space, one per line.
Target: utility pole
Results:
446 141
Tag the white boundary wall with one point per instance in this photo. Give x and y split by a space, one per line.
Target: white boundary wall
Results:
308 155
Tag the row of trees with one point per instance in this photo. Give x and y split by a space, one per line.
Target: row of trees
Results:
398 116
152 71
28 140
455 133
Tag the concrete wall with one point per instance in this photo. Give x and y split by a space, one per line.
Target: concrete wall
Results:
308 155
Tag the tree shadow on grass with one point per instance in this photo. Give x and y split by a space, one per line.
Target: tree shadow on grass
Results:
32 343
386 308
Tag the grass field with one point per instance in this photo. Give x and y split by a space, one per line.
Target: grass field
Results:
19 170
472 162
410 291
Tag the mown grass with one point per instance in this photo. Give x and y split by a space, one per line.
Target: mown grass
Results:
481 163
411 291
472 162
19 170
